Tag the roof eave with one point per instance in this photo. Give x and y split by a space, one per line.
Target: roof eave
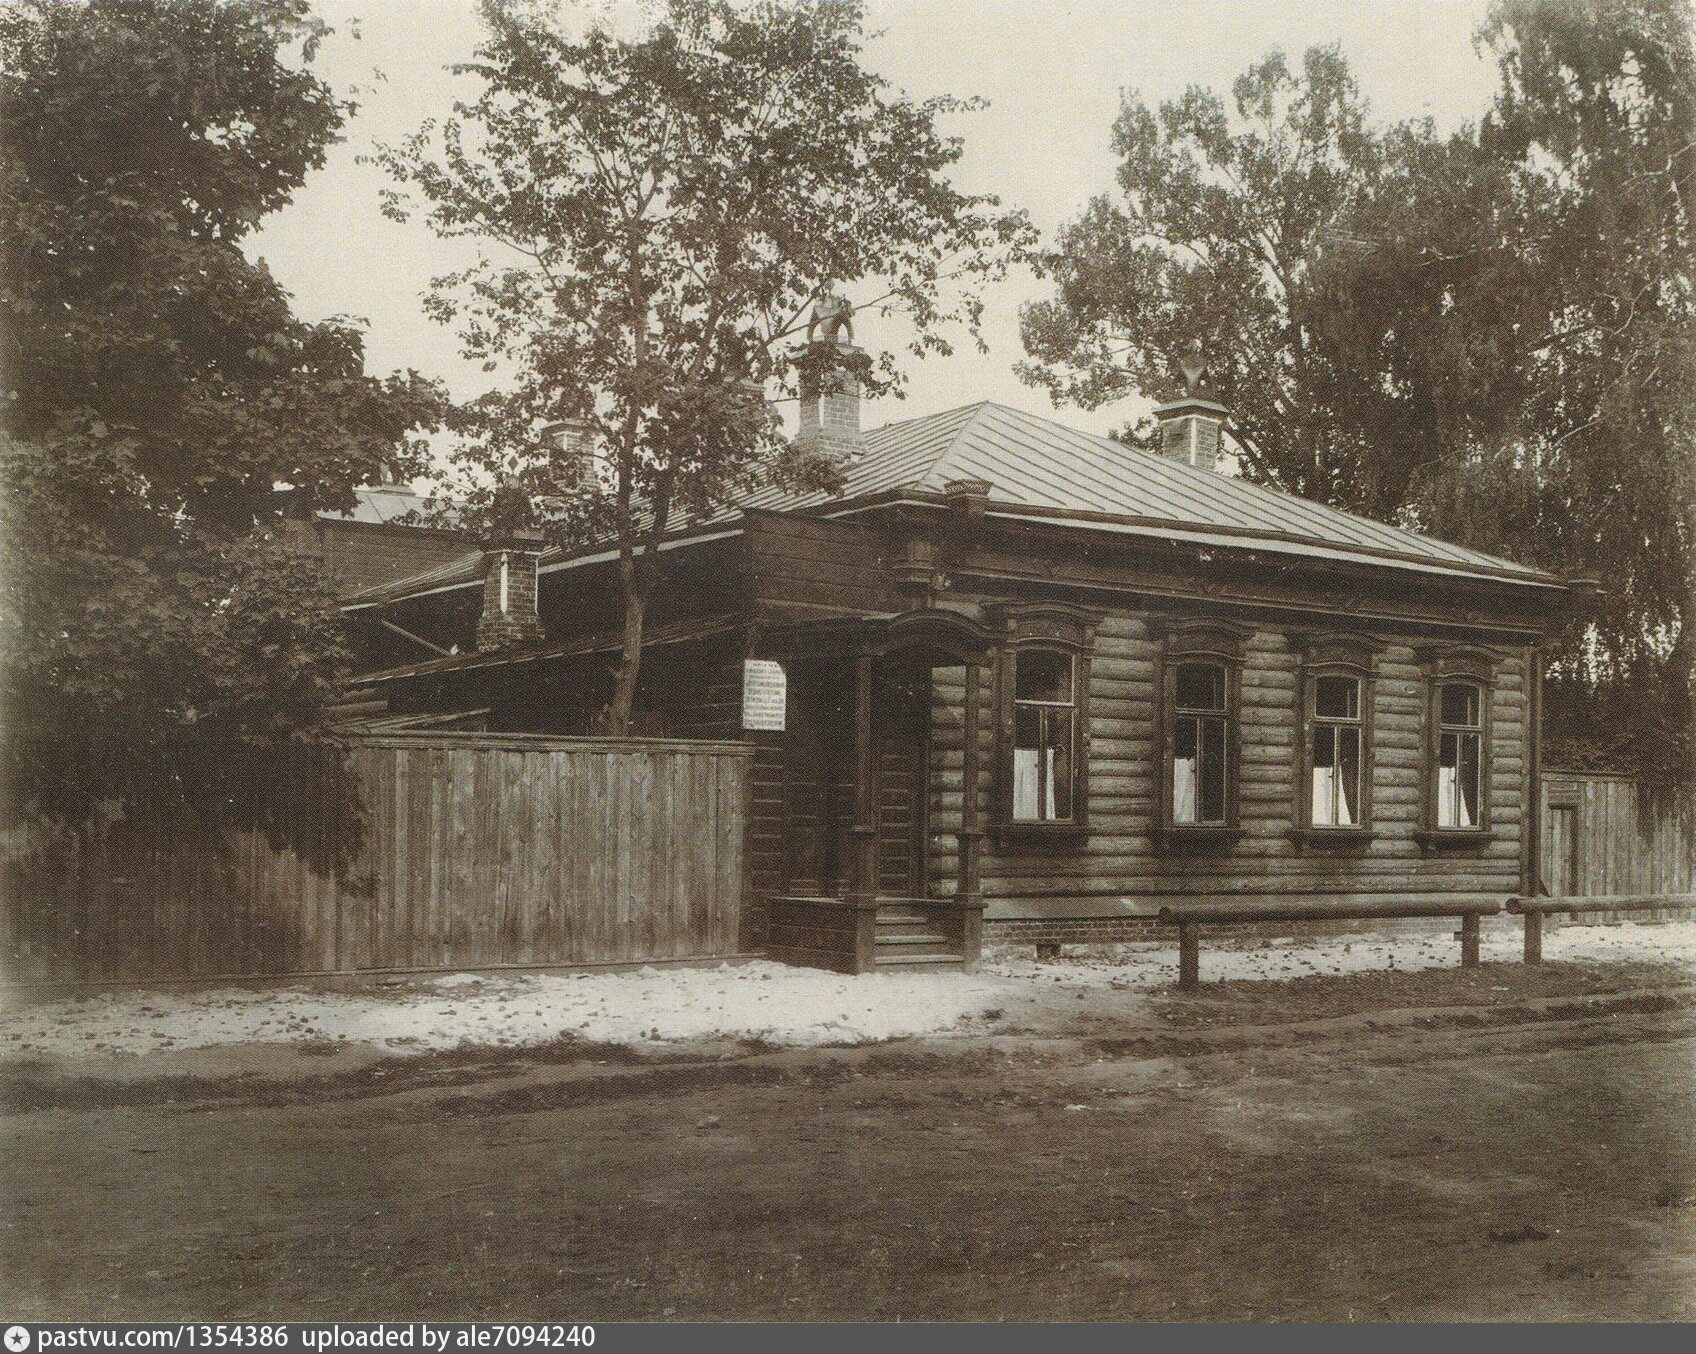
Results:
1168 528
1124 523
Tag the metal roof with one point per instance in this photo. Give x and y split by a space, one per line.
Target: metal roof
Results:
1036 462
678 632
1033 463
380 503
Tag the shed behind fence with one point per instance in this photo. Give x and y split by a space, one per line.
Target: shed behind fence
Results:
463 851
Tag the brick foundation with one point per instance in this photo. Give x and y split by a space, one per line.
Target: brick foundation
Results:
1118 930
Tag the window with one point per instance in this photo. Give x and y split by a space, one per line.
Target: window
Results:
1042 762
1334 753
1044 735
1199 757
1335 748
1333 784
1457 746
1460 745
1199 692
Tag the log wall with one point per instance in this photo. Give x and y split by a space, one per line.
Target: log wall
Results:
1119 869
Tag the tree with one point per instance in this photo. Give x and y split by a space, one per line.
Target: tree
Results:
166 412
1487 336
1223 218
1593 471
658 215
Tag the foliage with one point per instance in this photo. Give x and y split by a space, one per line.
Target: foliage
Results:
1594 470
658 215
1491 336
1222 220
166 413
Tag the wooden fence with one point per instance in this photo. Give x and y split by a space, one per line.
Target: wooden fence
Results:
464 851
1604 834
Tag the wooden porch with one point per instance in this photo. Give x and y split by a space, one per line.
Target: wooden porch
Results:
855 825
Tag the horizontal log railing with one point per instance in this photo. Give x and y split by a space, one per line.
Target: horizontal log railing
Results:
1533 910
1189 918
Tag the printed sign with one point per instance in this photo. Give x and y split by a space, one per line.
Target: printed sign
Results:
765 694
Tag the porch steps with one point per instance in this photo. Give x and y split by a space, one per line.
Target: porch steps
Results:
899 943
920 961
918 926
908 940
894 916
903 934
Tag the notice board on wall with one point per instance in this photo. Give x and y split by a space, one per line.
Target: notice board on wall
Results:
765 694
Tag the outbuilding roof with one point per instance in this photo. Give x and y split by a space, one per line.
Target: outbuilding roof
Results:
1039 469
381 504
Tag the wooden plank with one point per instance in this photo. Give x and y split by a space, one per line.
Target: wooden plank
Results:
573 845
599 902
458 936
680 909
708 886
511 827
544 925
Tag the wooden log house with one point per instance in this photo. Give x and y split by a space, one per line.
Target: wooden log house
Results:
1037 681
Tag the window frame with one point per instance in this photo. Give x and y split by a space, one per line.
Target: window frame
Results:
1334 655
1444 666
1220 644
1053 627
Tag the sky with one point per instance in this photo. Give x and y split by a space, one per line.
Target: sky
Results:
1052 72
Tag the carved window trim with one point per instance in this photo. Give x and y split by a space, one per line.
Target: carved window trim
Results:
1445 664
1333 655
1055 627
1214 642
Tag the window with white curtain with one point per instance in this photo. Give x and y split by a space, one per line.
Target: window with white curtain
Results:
1200 729
1336 752
1044 735
1460 755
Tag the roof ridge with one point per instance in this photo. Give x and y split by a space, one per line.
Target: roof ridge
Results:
952 446
926 418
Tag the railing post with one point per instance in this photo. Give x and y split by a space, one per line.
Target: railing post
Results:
1469 940
1189 956
1534 937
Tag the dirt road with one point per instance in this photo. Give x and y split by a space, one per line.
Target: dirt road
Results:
1473 1145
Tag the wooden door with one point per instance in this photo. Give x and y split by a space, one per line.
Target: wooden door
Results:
818 771
818 778
900 745
1560 851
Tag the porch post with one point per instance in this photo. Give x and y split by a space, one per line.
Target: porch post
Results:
969 889
864 831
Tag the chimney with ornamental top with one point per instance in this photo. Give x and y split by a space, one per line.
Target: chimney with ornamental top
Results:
830 390
1191 425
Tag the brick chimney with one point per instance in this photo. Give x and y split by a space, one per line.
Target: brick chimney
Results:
511 551
830 390
1192 424
574 441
